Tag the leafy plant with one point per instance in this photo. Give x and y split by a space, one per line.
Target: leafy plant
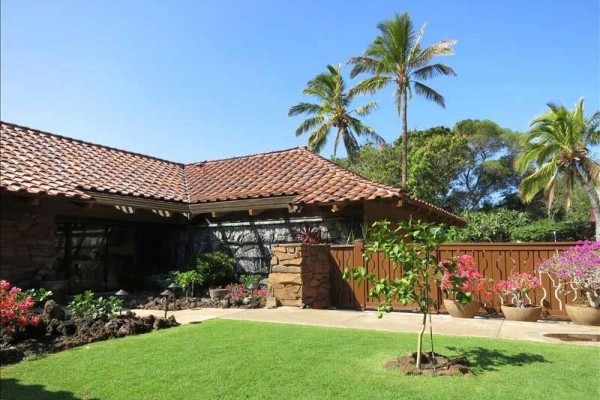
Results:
461 278
309 234
577 269
251 279
14 309
159 282
496 226
412 247
87 304
38 295
517 286
188 280
216 268
547 230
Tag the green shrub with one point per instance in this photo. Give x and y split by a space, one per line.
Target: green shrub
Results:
543 231
494 226
217 268
247 280
38 295
188 280
87 304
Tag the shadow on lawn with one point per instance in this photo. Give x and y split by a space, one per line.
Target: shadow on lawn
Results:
487 360
11 389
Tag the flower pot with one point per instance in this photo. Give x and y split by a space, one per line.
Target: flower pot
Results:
526 314
459 310
584 315
218 293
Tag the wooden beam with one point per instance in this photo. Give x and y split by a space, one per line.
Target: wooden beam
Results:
125 209
137 202
162 213
337 207
253 212
216 214
266 203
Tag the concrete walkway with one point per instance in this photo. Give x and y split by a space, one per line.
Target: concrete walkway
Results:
395 322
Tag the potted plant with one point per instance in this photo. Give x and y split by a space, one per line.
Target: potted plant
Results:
517 288
577 271
460 280
217 270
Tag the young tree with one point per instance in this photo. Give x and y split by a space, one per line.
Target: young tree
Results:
396 57
412 247
333 112
558 150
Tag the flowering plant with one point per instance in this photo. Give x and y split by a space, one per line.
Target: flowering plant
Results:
579 268
239 292
461 278
518 286
14 312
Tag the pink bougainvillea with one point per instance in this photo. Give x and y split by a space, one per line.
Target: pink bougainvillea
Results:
579 268
517 285
461 278
14 312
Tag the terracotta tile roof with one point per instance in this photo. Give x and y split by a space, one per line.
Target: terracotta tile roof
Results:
33 161
38 162
299 171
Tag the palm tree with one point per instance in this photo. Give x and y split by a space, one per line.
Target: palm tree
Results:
332 112
558 150
396 56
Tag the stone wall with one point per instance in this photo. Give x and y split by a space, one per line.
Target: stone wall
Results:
28 246
250 242
300 275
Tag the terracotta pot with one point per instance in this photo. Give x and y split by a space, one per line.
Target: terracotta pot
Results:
217 293
459 310
527 314
584 315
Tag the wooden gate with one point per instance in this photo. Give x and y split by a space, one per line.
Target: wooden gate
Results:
494 260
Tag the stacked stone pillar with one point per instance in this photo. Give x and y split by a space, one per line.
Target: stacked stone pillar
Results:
300 275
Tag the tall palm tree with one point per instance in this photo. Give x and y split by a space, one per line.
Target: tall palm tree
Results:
558 150
333 112
396 57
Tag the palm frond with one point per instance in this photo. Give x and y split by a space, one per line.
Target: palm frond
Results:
318 138
304 108
441 48
371 85
366 109
429 94
431 71
532 184
309 124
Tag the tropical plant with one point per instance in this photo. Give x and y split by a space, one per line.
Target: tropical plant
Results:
333 112
461 278
576 269
491 226
396 57
517 286
216 268
15 311
547 230
187 280
87 304
412 246
309 234
38 295
557 149
250 279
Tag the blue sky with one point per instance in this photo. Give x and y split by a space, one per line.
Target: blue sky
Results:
194 80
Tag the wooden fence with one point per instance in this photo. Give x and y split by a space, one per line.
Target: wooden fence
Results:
494 260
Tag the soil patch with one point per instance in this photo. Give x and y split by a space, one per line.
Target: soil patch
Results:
53 335
439 365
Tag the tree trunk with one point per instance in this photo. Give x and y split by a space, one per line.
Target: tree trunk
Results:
420 341
594 201
404 137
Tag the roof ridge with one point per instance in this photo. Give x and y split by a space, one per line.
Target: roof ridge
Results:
39 131
266 153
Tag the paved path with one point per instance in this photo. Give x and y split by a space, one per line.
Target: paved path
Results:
395 322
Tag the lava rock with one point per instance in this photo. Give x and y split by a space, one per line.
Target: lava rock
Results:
67 328
53 310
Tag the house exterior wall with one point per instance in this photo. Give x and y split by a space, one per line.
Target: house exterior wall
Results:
28 246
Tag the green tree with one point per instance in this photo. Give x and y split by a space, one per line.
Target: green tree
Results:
488 175
413 247
558 150
333 112
396 57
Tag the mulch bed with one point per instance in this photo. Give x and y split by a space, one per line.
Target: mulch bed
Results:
57 333
440 365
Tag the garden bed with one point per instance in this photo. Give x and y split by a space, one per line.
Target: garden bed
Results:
56 334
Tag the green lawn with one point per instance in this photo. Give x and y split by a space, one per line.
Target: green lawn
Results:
249 360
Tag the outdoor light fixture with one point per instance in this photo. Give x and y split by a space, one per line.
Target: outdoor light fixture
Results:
122 293
166 294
